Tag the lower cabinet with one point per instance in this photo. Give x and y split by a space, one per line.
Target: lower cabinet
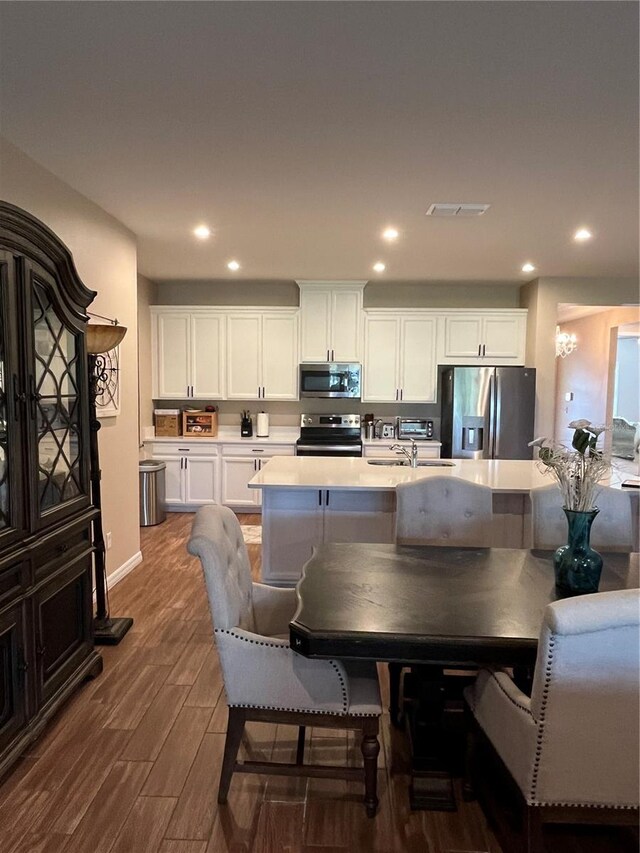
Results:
296 520
14 655
191 475
240 463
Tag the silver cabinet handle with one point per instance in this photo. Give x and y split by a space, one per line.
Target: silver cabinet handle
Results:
255 450
479 350
333 358
327 503
401 392
320 493
328 358
263 393
484 349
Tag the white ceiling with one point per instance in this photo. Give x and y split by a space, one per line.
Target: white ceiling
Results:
298 130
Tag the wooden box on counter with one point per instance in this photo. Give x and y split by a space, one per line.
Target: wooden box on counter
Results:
200 424
168 425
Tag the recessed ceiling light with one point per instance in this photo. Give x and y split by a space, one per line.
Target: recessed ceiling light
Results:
390 234
379 267
233 265
528 267
202 232
582 234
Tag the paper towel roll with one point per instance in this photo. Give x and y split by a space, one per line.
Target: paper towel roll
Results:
262 425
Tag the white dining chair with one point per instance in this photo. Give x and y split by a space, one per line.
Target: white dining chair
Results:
443 511
572 747
612 528
264 679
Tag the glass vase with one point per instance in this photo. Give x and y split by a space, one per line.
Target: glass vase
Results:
577 566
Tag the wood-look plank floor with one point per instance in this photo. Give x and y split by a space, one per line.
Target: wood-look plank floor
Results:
131 764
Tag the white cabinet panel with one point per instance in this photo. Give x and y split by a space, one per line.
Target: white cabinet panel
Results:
207 356
280 357
418 366
236 473
244 346
380 368
200 475
315 319
346 322
502 337
171 347
462 336
292 524
488 337
331 321
173 481
359 516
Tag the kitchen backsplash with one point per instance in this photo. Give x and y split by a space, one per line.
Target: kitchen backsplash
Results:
288 414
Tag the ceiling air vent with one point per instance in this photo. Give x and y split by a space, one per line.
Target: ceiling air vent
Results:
456 209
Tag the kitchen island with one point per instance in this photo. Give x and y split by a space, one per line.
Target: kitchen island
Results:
310 500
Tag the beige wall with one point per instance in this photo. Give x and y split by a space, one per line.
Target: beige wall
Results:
588 373
104 252
541 297
146 297
377 294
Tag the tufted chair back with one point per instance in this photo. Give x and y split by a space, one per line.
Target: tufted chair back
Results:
586 690
216 538
612 529
443 511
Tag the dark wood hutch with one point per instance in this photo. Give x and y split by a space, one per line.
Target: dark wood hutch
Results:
46 642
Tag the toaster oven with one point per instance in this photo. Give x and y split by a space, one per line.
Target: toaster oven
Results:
420 429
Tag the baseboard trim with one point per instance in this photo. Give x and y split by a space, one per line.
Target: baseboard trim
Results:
124 569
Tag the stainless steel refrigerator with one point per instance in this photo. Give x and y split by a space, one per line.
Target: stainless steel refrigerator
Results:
487 412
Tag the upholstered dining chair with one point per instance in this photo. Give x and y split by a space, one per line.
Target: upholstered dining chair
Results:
438 511
612 529
443 511
264 679
572 747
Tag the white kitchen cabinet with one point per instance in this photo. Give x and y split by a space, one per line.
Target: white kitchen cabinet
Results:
188 350
191 475
331 319
484 337
294 521
400 364
262 355
240 463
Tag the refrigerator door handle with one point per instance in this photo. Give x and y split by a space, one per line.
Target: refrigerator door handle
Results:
492 416
498 417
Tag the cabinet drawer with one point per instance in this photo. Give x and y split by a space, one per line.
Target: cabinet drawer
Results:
14 578
199 447
56 551
258 450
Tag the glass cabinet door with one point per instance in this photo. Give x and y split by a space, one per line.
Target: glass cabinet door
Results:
57 384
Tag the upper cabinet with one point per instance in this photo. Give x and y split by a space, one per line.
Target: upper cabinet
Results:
262 355
400 364
484 336
188 354
331 321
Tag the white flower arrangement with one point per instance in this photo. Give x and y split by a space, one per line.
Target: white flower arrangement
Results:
577 471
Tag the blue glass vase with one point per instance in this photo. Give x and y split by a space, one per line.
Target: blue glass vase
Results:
577 566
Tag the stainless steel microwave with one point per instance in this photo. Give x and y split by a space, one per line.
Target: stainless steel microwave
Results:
330 379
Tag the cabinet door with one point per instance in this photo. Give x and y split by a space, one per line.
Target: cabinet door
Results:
292 524
174 480
359 516
418 367
346 325
280 357
380 369
462 336
200 476
62 615
244 349
502 337
171 356
236 473
207 356
13 671
315 319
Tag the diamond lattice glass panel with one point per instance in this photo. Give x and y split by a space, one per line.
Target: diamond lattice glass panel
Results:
4 461
56 387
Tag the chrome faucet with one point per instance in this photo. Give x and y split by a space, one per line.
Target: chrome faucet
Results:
412 455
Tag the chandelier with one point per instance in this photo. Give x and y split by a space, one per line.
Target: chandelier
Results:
565 343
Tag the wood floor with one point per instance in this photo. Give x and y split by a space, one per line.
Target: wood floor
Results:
131 764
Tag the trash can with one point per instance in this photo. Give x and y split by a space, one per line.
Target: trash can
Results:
152 508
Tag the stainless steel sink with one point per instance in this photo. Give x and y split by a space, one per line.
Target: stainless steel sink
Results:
425 463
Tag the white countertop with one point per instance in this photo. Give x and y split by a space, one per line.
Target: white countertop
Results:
231 435
308 472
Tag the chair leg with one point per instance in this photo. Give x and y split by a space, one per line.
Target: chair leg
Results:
370 749
300 748
395 674
534 831
235 729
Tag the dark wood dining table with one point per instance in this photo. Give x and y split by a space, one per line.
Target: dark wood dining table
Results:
431 605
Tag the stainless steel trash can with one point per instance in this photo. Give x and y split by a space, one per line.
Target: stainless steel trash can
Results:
152 502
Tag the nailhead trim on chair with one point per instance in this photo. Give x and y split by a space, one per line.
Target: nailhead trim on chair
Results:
343 687
542 720
510 698
303 711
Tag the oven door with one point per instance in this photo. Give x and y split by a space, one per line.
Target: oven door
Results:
329 379
326 449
